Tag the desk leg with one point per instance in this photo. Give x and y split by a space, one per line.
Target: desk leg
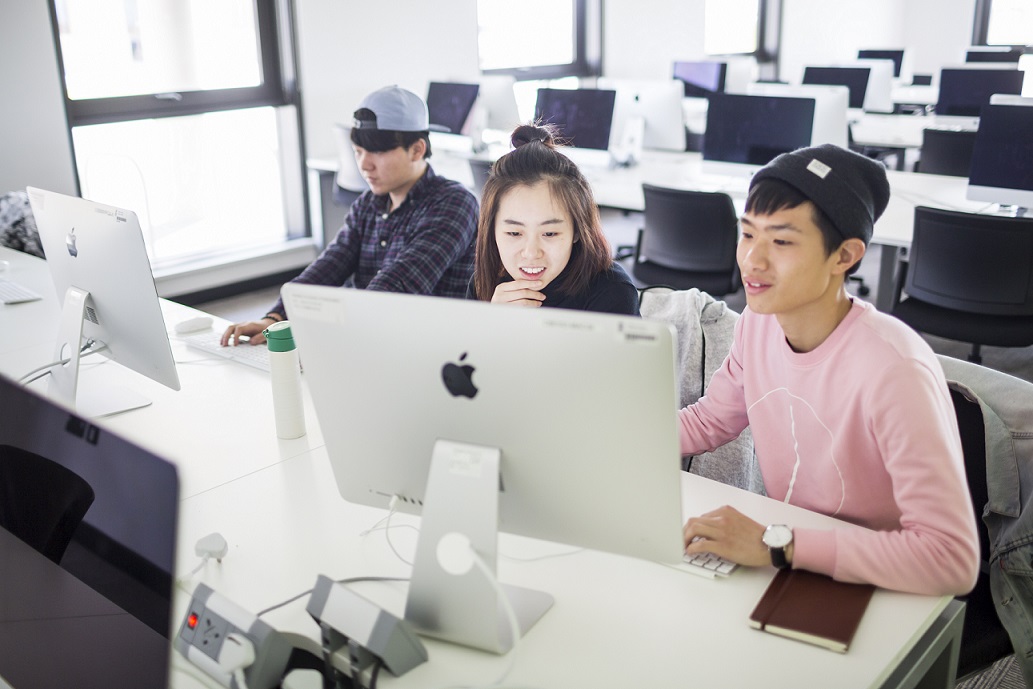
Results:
933 662
888 256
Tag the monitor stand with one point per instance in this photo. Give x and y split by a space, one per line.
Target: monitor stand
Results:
459 604
90 400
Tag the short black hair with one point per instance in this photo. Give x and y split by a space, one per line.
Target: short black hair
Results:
771 195
381 140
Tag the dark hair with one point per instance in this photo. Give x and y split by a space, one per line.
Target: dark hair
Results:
381 140
534 159
772 195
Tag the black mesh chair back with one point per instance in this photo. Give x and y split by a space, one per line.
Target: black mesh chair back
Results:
41 502
983 638
946 152
688 240
969 277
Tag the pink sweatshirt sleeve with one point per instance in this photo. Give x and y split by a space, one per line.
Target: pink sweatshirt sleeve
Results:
936 549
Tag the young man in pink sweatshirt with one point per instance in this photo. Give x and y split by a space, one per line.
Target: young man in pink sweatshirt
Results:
849 408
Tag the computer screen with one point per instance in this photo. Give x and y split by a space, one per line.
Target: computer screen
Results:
100 612
658 104
884 54
497 100
1002 156
993 54
580 405
583 116
752 130
449 105
854 78
830 108
700 79
966 91
99 266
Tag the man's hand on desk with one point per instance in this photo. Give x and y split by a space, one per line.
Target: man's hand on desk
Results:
730 534
251 329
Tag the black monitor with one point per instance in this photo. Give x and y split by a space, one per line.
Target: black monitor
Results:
1002 156
752 130
965 91
854 78
879 54
994 54
96 612
449 105
583 116
701 78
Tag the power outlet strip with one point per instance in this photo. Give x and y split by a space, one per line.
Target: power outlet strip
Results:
209 620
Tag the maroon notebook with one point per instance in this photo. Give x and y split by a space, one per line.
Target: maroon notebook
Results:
812 607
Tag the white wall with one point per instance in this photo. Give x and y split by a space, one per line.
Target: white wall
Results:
817 32
939 31
35 148
642 39
348 48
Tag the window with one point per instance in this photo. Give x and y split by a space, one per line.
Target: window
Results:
742 27
539 39
1003 22
731 27
185 112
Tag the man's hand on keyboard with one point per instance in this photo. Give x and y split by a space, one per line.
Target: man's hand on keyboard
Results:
251 329
728 533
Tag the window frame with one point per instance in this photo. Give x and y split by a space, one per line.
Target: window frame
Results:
277 46
981 26
587 49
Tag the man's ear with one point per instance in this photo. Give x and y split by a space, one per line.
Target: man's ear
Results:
418 150
849 253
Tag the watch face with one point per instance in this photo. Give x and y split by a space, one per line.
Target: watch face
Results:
778 536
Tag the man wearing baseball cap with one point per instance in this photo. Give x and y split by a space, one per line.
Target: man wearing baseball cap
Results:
848 407
413 231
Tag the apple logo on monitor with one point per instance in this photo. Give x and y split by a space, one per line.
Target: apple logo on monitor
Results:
458 378
70 243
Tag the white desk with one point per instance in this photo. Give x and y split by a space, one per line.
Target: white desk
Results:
617 621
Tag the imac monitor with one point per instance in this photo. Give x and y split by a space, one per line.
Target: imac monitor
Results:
657 105
965 91
988 53
896 55
854 78
497 100
700 79
1002 156
583 116
449 105
102 275
99 612
752 130
501 419
830 108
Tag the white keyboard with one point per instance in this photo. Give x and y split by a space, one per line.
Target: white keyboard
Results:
13 293
208 341
708 565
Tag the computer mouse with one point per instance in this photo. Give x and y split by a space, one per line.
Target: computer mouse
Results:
192 325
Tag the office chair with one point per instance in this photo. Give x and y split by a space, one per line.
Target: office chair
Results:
946 152
41 502
983 638
688 241
969 277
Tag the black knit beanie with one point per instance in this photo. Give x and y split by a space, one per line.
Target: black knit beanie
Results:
850 188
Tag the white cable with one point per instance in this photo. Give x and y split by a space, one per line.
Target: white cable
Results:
236 655
61 362
514 627
387 532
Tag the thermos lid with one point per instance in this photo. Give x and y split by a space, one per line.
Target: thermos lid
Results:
279 337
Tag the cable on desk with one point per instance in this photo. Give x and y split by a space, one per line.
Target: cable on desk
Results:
61 362
353 580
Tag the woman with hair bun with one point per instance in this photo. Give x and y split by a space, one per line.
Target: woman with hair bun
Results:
539 237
